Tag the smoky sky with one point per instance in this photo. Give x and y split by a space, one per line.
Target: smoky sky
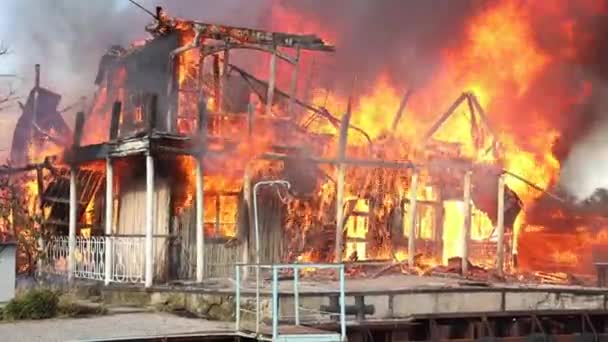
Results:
403 38
68 37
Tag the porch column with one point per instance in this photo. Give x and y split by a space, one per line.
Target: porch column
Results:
149 256
72 225
200 233
109 219
466 229
411 240
500 226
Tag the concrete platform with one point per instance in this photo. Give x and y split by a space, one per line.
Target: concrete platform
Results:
401 297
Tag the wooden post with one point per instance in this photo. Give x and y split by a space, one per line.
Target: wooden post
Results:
500 226
411 240
245 257
200 196
152 114
109 219
340 185
250 117
149 256
72 225
224 80
217 83
78 127
41 242
271 82
115 120
466 229
294 84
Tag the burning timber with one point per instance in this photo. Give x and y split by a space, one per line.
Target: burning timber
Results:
187 164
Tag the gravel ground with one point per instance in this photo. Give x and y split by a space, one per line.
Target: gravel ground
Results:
111 326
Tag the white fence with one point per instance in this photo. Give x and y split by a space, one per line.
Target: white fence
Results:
127 258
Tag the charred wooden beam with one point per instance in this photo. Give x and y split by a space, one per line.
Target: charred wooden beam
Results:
341 156
115 120
401 109
411 249
467 223
152 114
271 83
78 128
240 35
500 226
334 121
294 84
444 117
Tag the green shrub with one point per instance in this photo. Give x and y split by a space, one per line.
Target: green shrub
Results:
34 304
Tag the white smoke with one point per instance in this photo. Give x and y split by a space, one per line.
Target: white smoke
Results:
585 170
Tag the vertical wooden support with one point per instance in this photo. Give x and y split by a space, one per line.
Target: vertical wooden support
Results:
401 109
152 114
200 229
73 211
109 220
250 117
245 257
293 93
271 82
37 92
72 225
149 243
411 240
340 185
78 127
217 96
41 242
200 196
466 229
115 120
500 226
224 81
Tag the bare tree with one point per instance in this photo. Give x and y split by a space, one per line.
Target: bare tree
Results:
8 96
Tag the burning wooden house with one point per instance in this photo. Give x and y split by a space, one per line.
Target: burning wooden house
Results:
187 164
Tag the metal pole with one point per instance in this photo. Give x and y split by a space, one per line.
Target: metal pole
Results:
238 298
467 222
500 226
271 83
72 225
342 304
411 240
200 231
109 219
257 245
294 84
296 294
149 220
275 302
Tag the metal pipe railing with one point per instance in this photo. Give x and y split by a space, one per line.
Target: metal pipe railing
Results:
275 292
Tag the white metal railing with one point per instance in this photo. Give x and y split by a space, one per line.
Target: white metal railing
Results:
128 259
275 291
126 256
89 258
56 255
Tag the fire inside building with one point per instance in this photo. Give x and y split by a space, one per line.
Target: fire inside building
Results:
190 171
